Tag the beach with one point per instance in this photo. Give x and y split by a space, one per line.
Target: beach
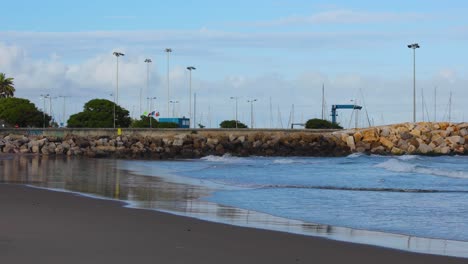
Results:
41 226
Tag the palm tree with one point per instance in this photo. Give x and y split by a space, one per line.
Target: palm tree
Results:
6 86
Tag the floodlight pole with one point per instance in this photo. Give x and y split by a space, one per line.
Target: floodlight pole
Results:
251 112
173 107
116 98
236 98
44 97
168 51
151 107
190 68
147 61
414 47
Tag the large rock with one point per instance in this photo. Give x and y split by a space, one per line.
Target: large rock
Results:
455 140
386 143
378 150
424 149
397 151
411 149
415 132
350 143
357 136
178 142
370 135
385 132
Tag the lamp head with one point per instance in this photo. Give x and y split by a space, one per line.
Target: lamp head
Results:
414 46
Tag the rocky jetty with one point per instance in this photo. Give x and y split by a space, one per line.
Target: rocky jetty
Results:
187 144
409 138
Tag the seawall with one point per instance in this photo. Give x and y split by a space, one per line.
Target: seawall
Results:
408 138
171 143
424 138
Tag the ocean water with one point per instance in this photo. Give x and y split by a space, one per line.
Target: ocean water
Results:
410 202
411 195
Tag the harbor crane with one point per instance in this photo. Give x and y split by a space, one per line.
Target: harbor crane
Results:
346 106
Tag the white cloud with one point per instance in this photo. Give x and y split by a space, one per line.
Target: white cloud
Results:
343 16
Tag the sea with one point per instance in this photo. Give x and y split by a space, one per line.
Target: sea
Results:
414 203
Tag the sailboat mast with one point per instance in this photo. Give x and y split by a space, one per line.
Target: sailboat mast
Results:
450 107
323 101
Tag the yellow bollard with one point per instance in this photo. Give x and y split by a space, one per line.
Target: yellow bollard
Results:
119 131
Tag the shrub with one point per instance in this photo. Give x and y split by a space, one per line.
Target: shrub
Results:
321 124
232 124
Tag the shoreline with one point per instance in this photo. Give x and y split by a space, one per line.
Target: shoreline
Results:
175 202
263 221
34 229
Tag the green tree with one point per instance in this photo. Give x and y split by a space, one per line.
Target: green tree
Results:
232 124
316 123
144 122
99 113
7 88
21 112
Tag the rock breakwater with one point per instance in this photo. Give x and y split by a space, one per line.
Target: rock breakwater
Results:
409 138
422 138
186 144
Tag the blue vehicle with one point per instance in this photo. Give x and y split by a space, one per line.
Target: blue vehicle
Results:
181 122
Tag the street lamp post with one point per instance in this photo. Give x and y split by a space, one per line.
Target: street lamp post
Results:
414 47
173 107
116 97
147 61
113 111
168 51
251 101
150 110
237 120
44 97
190 68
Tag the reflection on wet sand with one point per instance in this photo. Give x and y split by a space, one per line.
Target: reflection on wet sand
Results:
102 178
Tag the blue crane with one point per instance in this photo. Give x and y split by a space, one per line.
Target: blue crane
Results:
336 107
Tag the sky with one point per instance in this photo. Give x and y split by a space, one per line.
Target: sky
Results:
279 52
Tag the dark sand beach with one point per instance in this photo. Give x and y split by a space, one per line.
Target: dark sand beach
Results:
40 226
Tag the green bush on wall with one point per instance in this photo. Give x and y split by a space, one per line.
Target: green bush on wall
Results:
321 124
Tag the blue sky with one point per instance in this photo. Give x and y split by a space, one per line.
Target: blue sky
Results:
253 49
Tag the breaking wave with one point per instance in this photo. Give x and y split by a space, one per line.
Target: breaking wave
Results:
397 165
360 189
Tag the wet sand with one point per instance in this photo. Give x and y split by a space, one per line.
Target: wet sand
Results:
40 226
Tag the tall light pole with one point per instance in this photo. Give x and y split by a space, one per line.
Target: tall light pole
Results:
236 98
414 47
113 111
44 96
190 68
150 111
168 51
173 107
64 108
116 97
147 61
251 101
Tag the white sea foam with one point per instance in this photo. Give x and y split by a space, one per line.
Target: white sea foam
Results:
284 161
396 165
408 157
355 155
226 158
